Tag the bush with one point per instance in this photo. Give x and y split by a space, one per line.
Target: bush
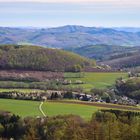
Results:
68 95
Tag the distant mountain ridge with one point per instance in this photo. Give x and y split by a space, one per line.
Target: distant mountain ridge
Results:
128 29
69 36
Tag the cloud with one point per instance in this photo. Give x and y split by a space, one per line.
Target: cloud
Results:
124 3
62 12
57 1
74 1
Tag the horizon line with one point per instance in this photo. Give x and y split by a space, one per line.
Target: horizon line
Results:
18 26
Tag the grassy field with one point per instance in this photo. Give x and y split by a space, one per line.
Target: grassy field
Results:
95 80
53 109
31 108
22 108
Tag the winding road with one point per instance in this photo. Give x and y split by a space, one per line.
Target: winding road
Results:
40 109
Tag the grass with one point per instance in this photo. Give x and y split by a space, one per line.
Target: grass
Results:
96 80
30 108
21 108
53 109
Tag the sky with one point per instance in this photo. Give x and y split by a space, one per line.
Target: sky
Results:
53 13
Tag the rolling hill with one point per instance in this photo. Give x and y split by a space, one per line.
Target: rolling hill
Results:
117 57
124 62
112 46
68 36
105 52
38 58
99 52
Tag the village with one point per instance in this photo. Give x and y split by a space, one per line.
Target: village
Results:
62 95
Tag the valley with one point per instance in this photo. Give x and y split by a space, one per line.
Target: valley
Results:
39 74
69 70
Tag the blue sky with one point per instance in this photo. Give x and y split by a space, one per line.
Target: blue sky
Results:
52 13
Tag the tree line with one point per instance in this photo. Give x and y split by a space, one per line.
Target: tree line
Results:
104 125
49 85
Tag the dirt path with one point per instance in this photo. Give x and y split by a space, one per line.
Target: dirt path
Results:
110 106
40 109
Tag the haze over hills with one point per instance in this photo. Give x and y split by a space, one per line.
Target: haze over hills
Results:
69 36
128 29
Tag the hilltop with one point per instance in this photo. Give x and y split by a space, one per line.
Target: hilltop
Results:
23 57
69 36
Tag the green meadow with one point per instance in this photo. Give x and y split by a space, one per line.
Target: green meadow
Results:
31 108
53 109
20 107
95 79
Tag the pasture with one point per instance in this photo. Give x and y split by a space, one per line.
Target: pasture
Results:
31 108
19 107
95 79
54 108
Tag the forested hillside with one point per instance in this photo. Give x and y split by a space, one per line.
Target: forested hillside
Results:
105 52
118 57
129 61
38 58
99 52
